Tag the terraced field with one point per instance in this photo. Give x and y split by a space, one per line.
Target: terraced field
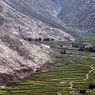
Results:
67 77
87 37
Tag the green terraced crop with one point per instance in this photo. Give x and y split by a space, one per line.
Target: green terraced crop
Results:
57 80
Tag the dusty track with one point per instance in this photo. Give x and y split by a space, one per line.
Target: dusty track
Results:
87 77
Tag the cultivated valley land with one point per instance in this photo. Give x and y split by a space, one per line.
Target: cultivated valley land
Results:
72 73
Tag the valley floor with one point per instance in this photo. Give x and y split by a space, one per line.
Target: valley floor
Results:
72 73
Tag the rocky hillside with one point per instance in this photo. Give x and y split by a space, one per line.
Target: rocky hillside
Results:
23 19
44 10
18 21
78 14
20 58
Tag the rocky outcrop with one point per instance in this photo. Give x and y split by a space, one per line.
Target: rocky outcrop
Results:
19 58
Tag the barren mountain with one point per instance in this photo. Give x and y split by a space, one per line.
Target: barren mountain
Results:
20 58
25 19
25 25
78 14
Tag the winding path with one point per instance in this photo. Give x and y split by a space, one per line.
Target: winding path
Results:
87 75
71 85
72 82
58 93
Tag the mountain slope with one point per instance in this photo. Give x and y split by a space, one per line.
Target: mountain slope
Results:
78 14
44 10
20 58
28 26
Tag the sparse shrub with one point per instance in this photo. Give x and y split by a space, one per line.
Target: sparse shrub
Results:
39 39
63 52
30 39
46 39
91 86
82 91
52 39
76 45
82 48
1 8
36 39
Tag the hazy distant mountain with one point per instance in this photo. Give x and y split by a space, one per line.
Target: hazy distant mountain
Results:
78 14
44 10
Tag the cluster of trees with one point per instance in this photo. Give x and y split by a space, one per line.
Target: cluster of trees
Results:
91 87
64 51
89 49
76 45
48 39
39 39
84 47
